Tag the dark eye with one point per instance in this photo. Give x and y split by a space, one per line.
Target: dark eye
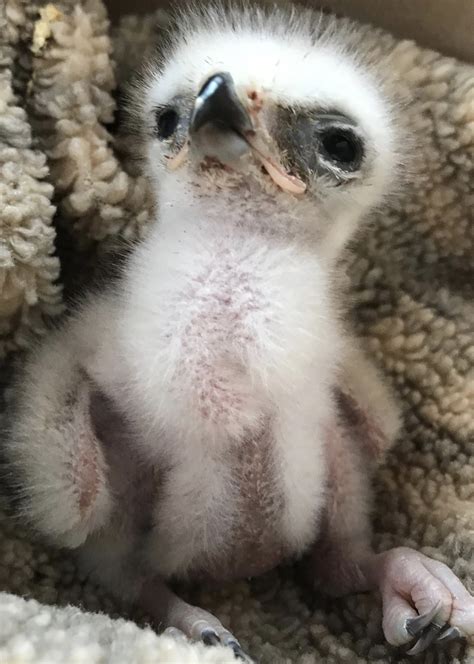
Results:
167 122
342 147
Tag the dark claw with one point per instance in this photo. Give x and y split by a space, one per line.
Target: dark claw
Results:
415 625
210 638
238 652
449 634
430 634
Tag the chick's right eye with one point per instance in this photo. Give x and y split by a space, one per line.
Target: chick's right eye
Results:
167 121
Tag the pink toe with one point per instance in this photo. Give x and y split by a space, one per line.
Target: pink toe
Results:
396 612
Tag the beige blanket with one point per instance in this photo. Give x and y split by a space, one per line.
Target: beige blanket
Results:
413 283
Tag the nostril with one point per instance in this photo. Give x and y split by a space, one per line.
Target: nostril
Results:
256 101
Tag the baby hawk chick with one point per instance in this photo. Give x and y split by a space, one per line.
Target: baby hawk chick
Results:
207 416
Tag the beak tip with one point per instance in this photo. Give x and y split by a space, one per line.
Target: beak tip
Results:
217 103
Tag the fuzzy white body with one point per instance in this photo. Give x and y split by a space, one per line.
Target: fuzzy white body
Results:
228 324
240 337
225 326
205 416
223 330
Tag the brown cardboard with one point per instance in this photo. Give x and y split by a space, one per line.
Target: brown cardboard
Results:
445 25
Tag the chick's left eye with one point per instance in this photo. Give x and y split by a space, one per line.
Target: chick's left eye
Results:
167 121
342 147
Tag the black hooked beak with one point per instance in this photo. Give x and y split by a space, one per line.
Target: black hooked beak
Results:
217 104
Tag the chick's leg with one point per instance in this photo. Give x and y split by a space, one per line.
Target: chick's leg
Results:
340 558
177 616
423 600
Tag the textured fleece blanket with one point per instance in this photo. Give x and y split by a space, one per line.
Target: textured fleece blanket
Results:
412 286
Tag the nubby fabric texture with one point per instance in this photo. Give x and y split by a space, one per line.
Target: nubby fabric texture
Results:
412 297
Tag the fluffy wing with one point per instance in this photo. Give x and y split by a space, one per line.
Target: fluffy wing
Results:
54 466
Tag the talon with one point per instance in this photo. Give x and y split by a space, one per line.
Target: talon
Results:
210 638
415 625
449 634
409 582
429 636
238 652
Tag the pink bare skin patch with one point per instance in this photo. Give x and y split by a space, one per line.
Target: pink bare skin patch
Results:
85 471
222 299
85 475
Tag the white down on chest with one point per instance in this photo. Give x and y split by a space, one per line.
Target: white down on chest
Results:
219 336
